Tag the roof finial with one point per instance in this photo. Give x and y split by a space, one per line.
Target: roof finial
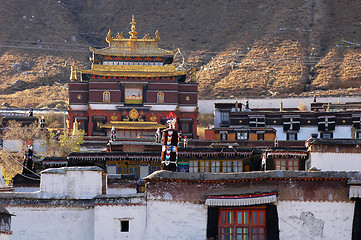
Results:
133 33
73 73
109 36
157 37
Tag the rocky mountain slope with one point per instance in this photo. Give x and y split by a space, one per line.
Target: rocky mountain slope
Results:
241 48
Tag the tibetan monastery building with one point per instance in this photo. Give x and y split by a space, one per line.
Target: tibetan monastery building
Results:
133 87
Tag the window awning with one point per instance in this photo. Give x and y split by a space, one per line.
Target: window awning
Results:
100 118
81 119
355 191
241 200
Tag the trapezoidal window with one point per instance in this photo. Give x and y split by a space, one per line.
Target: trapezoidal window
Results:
133 95
242 223
106 96
160 97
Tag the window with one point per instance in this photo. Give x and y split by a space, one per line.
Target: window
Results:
326 123
358 134
242 223
112 169
242 135
223 135
160 97
193 166
291 123
326 135
185 127
226 166
260 136
257 121
224 116
106 96
237 166
292 136
215 166
133 169
154 168
124 225
287 164
204 166
133 95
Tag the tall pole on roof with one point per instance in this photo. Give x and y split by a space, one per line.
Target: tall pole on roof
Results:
133 33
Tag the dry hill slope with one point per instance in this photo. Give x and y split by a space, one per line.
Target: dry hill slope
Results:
240 47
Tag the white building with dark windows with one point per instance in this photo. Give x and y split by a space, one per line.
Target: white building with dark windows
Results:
233 121
76 203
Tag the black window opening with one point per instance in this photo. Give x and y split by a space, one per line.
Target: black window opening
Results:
260 136
223 135
124 225
358 134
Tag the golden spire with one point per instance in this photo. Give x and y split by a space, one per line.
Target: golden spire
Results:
133 33
73 73
157 37
109 36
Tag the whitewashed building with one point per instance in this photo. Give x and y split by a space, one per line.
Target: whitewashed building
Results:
334 154
324 121
73 203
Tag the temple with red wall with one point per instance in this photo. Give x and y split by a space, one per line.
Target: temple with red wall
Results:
134 87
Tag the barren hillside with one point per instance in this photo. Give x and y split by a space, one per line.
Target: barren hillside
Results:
240 47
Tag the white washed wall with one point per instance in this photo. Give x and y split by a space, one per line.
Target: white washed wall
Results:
107 222
12 145
58 223
217 118
39 147
173 220
207 106
336 161
342 132
26 189
119 190
71 182
305 132
4 236
281 135
315 220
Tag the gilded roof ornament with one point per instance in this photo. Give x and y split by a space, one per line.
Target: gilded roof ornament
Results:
133 33
157 37
73 76
109 36
147 37
119 36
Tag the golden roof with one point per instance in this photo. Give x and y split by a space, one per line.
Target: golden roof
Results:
132 46
134 70
125 125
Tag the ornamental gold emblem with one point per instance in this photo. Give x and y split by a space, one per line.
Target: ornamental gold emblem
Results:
133 114
114 117
153 118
